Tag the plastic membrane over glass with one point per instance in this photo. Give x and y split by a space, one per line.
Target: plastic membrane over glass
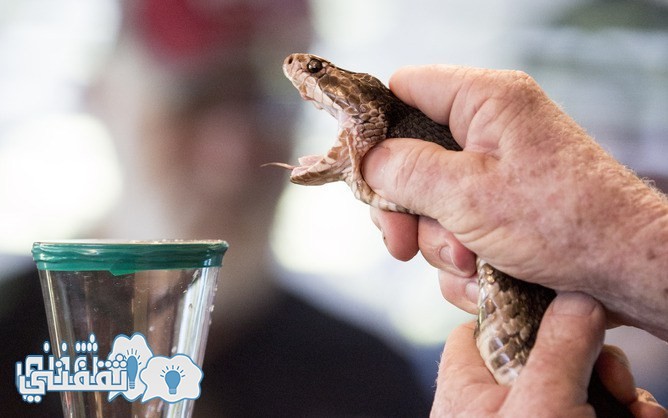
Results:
124 257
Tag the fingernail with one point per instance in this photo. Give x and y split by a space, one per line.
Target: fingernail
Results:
373 166
646 396
472 290
445 254
456 265
574 304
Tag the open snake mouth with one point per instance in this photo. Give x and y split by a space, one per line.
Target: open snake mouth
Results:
319 169
306 163
316 169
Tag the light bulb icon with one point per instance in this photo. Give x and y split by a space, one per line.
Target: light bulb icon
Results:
132 367
128 360
172 379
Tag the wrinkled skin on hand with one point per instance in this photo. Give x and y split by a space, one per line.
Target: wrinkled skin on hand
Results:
551 384
531 193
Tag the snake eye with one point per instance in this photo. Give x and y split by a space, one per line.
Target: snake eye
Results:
314 66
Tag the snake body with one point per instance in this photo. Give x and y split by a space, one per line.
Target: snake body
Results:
510 310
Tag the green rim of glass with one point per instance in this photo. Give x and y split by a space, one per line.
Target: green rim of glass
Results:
125 257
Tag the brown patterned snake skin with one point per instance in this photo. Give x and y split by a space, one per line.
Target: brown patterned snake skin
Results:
510 310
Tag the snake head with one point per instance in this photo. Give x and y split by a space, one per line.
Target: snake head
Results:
355 100
305 71
342 93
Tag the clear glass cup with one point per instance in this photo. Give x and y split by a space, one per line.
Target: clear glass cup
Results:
103 298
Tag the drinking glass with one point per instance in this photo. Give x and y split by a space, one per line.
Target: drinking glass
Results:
127 315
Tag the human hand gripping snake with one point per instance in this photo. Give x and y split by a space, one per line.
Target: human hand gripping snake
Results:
510 310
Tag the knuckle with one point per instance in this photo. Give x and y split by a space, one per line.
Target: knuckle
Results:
520 87
416 171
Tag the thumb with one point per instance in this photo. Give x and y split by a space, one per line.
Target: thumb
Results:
422 176
567 345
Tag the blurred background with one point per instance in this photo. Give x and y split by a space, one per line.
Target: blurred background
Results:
605 62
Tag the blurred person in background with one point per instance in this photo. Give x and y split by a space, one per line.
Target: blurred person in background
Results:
195 98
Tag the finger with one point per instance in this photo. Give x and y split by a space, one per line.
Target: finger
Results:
468 98
461 292
567 345
400 232
463 377
461 361
427 178
646 406
442 250
432 89
614 370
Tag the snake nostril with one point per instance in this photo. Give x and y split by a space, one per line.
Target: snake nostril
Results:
290 59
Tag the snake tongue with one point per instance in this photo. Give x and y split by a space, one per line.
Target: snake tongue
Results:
306 164
319 169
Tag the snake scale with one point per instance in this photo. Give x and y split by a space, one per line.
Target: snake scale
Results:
510 310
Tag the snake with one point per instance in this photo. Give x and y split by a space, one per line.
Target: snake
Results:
509 310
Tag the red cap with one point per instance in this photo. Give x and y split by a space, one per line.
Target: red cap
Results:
179 31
